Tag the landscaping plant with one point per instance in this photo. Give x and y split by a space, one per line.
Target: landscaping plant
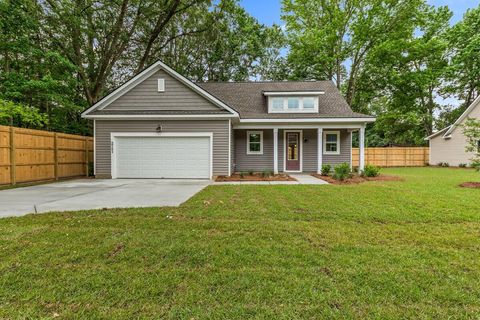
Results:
471 130
267 173
342 171
326 168
371 171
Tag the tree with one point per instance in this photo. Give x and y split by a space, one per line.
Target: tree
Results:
464 69
31 73
332 39
471 130
403 78
20 115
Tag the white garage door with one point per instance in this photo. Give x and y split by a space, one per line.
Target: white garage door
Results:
161 157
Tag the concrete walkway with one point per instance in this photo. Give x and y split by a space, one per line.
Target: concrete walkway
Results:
85 194
301 179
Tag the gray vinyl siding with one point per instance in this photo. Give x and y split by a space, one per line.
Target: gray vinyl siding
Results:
177 96
244 162
345 149
310 150
103 128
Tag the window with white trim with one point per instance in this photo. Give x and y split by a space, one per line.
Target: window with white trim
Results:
254 142
293 104
331 142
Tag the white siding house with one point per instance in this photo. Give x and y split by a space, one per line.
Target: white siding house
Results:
448 145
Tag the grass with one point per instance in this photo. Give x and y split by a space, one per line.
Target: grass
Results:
379 250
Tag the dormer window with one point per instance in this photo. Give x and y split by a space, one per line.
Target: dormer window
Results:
298 102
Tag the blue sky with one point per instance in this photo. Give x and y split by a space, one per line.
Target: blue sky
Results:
268 11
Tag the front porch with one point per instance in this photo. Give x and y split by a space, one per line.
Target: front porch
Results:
293 149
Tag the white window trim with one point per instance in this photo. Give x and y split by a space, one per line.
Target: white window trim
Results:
161 85
336 132
300 106
248 142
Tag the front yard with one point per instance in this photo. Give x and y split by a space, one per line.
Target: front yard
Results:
396 249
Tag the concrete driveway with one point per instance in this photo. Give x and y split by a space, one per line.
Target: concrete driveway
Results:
87 194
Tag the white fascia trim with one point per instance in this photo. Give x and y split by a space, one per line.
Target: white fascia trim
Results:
462 117
145 74
311 120
293 93
113 144
437 133
353 127
169 116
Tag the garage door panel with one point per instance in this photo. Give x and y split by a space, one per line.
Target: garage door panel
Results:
163 157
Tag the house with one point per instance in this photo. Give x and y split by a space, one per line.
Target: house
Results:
448 145
161 125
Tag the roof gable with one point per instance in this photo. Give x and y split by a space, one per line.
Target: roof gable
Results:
141 94
473 107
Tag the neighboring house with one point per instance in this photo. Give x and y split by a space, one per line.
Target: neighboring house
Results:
161 125
448 145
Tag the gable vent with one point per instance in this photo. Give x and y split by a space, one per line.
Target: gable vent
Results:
161 85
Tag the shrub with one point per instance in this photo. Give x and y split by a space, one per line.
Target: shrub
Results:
326 168
462 165
267 173
342 171
250 172
242 174
443 164
371 171
475 164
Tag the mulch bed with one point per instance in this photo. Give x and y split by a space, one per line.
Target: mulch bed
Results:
357 179
255 177
473 185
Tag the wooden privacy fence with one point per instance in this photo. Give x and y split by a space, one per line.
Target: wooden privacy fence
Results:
393 156
28 155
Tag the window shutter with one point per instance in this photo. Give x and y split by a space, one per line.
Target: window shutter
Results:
161 85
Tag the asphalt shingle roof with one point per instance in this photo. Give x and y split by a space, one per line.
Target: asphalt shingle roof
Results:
248 100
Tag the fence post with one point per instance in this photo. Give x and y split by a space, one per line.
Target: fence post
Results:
13 165
55 154
86 156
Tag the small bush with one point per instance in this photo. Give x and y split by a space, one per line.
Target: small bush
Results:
371 171
342 171
443 164
475 164
242 174
462 165
326 168
267 174
250 172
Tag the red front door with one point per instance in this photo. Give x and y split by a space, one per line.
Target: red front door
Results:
293 151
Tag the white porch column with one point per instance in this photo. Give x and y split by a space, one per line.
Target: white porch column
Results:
361 143
319 150
275 150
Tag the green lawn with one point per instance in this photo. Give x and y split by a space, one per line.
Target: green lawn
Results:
379 250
